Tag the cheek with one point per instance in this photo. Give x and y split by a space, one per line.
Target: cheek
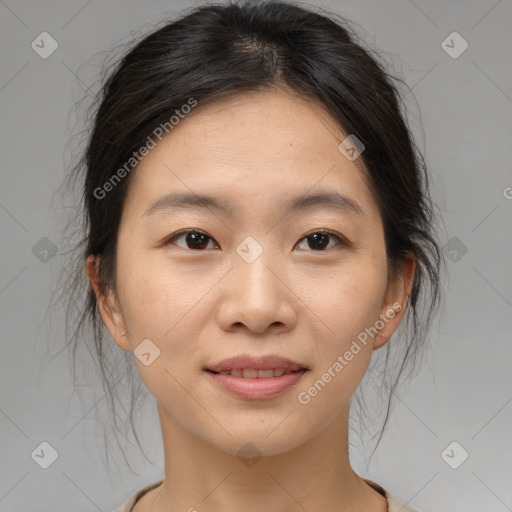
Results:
356 304
154 296
350 307
346 301
163 303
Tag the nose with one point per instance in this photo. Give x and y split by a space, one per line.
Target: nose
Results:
257 295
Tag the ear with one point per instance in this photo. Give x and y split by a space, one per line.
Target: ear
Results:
107 305
395 303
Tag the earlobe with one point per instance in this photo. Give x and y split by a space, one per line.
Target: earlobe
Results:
396 302
107 306
113 321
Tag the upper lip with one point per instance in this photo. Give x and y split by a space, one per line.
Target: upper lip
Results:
258 363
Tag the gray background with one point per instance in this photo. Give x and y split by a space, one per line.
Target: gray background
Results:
463 392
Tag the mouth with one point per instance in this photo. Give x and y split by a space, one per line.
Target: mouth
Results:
252 378
253 373
256 367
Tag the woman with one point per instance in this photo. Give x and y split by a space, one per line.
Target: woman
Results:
258 225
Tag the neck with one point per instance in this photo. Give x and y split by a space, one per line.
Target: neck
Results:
314 475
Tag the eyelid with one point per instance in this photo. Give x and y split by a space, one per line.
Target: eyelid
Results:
342 240
169 239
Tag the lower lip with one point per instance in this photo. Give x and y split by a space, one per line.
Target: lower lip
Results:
257 389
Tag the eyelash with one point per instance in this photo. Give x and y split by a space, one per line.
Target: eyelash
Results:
341 241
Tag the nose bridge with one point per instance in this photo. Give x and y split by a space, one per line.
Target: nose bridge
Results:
252 263
255 296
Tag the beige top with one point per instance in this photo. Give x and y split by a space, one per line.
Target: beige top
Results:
393 504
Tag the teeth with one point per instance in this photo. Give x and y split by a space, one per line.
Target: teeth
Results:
252 373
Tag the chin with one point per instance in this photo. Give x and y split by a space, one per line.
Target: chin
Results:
258 443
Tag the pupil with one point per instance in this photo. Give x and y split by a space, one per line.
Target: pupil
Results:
319 240
196 239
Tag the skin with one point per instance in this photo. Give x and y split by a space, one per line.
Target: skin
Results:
200 306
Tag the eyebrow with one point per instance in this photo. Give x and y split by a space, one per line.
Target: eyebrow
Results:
189 201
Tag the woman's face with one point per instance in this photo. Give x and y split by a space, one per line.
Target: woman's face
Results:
269 273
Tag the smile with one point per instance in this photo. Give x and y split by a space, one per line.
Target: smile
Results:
253 373
252 385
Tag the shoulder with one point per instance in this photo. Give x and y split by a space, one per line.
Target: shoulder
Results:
128 506
393 504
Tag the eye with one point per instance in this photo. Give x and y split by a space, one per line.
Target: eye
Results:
197 240
319 240
194 239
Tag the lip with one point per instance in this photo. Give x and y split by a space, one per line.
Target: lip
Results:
258 363
256 388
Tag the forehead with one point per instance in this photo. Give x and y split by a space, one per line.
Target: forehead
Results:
255 149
